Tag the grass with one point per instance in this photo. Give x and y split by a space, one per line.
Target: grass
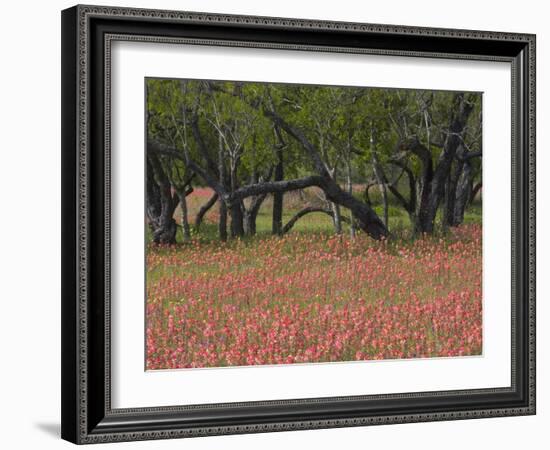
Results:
399 221
313 296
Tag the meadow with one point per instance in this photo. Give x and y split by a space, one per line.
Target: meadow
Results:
311 295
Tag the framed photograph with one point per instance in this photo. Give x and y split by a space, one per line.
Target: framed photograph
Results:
279 224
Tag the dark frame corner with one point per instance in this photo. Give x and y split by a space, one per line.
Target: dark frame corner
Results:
87 416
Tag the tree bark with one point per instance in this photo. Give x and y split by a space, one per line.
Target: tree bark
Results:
237 225
350 192
336 217
184 217
222 224
382 185
267 187
475 190
424 182
182 191
459 118
380 178
433 181
251 213
162 204
204 209
277 217
451 189
409 205
307 210
367 219
366 192
153 202
463 194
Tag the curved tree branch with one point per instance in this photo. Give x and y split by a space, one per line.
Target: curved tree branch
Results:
297 134
475 191
410 205
269 187
163 149
367 219
308 210
204 209
469 155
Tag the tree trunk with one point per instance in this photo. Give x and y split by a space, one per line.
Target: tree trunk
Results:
184 217
204 209
249 223
367 219
161 203
410 204
384 191
237 225
380 178
277 218
463 193
336 213
165 231
251 214
475 190
366 193
451 194
422 222
336 217
350 192
460 115
433 181
222 224
153 203
381 181
423 184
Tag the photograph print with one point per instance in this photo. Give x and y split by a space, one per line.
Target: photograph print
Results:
292 224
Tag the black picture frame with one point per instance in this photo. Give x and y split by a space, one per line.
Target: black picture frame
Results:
87 416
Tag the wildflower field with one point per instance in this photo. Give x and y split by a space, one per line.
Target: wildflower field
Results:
312 296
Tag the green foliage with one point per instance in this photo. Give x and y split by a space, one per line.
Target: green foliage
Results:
352 128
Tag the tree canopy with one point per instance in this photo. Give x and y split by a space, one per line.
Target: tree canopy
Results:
247 141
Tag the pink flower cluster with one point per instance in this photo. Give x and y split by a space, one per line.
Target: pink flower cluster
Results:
313 298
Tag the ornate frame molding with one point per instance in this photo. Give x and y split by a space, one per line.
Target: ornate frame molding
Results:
80 423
